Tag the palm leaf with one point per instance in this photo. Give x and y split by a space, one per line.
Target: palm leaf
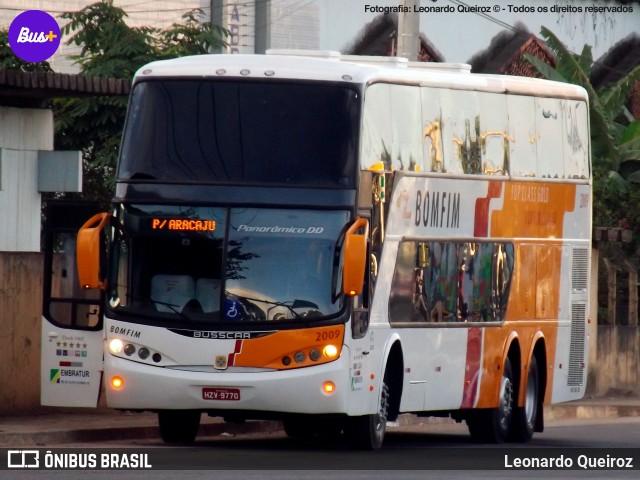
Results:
568 65
545 69
615 96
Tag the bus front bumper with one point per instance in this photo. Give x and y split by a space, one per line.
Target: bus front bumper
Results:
300 390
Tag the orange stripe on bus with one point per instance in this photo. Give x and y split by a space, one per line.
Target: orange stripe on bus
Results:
268 351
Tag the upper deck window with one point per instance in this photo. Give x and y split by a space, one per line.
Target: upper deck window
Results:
230 132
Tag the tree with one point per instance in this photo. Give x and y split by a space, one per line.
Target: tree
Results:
615 135
10 61
111 48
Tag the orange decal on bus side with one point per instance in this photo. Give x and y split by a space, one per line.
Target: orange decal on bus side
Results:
533 210
481 218
472 370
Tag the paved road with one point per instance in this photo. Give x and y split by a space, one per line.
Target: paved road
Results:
414 451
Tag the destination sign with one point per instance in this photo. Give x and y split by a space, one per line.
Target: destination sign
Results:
183 224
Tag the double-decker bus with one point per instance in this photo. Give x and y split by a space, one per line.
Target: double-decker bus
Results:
334 241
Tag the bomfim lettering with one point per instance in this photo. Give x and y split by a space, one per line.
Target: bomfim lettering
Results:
437 209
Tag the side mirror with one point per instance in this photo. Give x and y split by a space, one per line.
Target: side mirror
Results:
89 250
355 257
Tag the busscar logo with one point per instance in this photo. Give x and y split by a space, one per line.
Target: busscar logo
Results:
23 459
34 36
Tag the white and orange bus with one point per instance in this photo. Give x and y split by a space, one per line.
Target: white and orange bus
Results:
334 241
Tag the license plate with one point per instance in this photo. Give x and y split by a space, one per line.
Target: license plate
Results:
229 394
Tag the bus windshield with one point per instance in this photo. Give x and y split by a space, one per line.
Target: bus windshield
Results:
203 264
241 132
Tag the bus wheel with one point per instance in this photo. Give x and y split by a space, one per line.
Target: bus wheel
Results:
178 426
524 418
491 425
367 432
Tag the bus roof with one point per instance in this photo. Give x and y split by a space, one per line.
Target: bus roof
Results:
333 67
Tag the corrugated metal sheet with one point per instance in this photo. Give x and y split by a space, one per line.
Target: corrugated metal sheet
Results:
32 88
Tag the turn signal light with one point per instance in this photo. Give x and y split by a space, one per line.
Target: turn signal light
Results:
117 382
328 387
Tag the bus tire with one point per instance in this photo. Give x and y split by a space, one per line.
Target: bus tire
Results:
178 426
367 432
525 417
491 425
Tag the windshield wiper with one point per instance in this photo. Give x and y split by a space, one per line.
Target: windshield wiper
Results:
289 305
171 306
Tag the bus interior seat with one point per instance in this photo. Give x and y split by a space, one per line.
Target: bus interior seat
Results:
208 294
171 293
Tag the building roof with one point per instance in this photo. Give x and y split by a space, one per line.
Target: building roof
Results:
505 54
33 89
379 38
623 57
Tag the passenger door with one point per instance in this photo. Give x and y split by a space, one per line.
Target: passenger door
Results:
71 360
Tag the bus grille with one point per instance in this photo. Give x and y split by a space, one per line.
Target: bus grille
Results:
576 350
580 269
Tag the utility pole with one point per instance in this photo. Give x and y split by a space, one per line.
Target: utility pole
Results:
217 18
409 30
263 25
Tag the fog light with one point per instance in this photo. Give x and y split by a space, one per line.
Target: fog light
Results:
157 357
117 382
129 349
328 387
286 361
115 345
143 353
299 357
314 354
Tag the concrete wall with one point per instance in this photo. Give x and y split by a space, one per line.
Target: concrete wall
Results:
20 318
23 132
618 360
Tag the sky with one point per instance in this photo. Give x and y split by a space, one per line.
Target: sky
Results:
334 24
458 36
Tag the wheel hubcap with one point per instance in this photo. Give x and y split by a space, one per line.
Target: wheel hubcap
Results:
530 400
506 402
384 408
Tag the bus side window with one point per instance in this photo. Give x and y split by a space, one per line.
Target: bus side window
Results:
451 282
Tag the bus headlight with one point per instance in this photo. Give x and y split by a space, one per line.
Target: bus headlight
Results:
330 351
116 345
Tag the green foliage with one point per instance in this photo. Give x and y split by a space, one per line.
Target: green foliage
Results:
108 46
9 60
615 136
191 37
111 48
